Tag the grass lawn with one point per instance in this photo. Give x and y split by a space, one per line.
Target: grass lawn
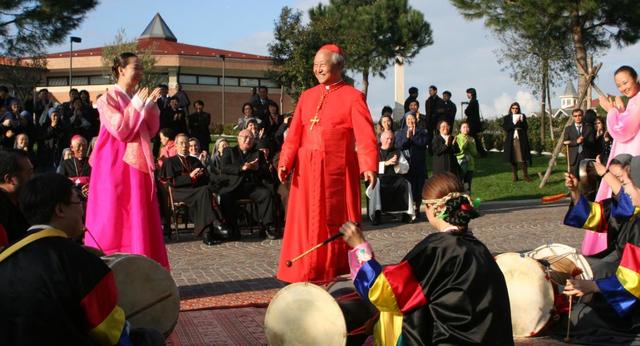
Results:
492 179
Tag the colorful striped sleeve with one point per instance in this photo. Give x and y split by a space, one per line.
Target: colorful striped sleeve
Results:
622 206
105 319
622 290
586 215
391 289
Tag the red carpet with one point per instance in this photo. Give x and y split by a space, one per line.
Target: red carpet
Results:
242 326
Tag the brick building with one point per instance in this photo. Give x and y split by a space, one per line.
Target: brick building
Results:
221 78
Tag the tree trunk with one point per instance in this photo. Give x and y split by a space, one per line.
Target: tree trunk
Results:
544 99
580 49
365 82
552 135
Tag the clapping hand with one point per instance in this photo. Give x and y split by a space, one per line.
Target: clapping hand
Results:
155 95
143 94
253 165
392 161
196 173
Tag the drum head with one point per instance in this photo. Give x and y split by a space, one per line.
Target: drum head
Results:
530 293
304 314
557 249
146 292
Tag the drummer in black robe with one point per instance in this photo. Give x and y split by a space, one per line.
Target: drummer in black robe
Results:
190 182
393 193
447 290
53 291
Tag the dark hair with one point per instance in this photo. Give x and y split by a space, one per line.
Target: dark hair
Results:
193 139
413 90
473 93
440 123
43 90
627 69
74 90
416 102
380 122
169 133
246 104
433 87
515 104
84 92
40 195
447 92
162 86
577 110
271 103
262 87
4 88
601 119
199 102
458 210
121 60
386 109
10 162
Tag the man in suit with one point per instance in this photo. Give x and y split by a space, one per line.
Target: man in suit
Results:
580 138
245 170
163 100
261 105
413 96
190 182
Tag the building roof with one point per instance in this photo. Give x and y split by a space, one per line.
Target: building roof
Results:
161 41
157 28
570 91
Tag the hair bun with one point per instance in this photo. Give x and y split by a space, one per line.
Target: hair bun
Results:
459 211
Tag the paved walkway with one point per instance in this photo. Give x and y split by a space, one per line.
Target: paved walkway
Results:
249 265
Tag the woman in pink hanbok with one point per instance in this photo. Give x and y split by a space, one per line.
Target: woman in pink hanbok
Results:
122 210
623 124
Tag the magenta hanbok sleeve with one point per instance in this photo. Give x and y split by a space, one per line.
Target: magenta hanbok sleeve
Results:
623 126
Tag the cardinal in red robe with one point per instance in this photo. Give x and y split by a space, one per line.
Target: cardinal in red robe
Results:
329 144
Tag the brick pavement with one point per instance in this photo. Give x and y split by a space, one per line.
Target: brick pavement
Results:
250 264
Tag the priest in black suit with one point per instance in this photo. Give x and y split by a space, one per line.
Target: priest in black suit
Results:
247 176
190 182
581 139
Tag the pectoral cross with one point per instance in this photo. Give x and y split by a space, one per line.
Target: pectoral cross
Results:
314 121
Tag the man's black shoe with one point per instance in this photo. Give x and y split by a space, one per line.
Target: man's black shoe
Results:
207 238
377 218
271 232
221 231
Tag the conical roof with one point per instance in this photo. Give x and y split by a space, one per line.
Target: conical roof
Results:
570 90
157 28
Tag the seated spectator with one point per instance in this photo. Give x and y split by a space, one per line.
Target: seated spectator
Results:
198 123
215 166
190 183
67 107
247 114
22 142
168 149
28 127
467 155
281 133
15 171
274 119
52 142
9 124
246 170
412 141
194 151
392 193
77 168
444 150
384 124
67 296
78 122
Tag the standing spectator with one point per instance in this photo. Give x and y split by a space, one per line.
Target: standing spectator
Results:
52 142
412 140
431 106
273 120
247 114
467 155
78 122
254 96
183 98
516 144
260 107
5 98
413 96
603 141
198 125
449 109
15 171
444 150
281 132
580 138
175 117
472 114
122 209
163 100
9 124
42 106
165 119
67 107
90 113
168 149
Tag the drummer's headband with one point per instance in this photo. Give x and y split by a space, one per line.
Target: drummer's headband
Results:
445 199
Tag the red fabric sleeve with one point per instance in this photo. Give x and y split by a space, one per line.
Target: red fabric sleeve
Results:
366 142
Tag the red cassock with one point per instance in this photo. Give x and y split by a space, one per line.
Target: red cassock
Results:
327 160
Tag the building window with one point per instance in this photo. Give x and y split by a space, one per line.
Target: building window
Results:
99 80
80 80
208 80
231 81
246 82
188 79
269 83
57 81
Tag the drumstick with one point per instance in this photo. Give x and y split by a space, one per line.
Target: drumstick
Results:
325 242
146 306
568 165
567 339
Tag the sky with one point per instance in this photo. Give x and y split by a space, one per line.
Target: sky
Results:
462 56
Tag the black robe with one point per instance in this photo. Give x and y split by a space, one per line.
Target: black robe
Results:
444 155
76 168
198 126
510 128
12 219
394 189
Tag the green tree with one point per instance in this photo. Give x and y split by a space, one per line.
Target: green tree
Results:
122 45
28 26
589 26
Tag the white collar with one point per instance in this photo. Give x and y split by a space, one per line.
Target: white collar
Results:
39 227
